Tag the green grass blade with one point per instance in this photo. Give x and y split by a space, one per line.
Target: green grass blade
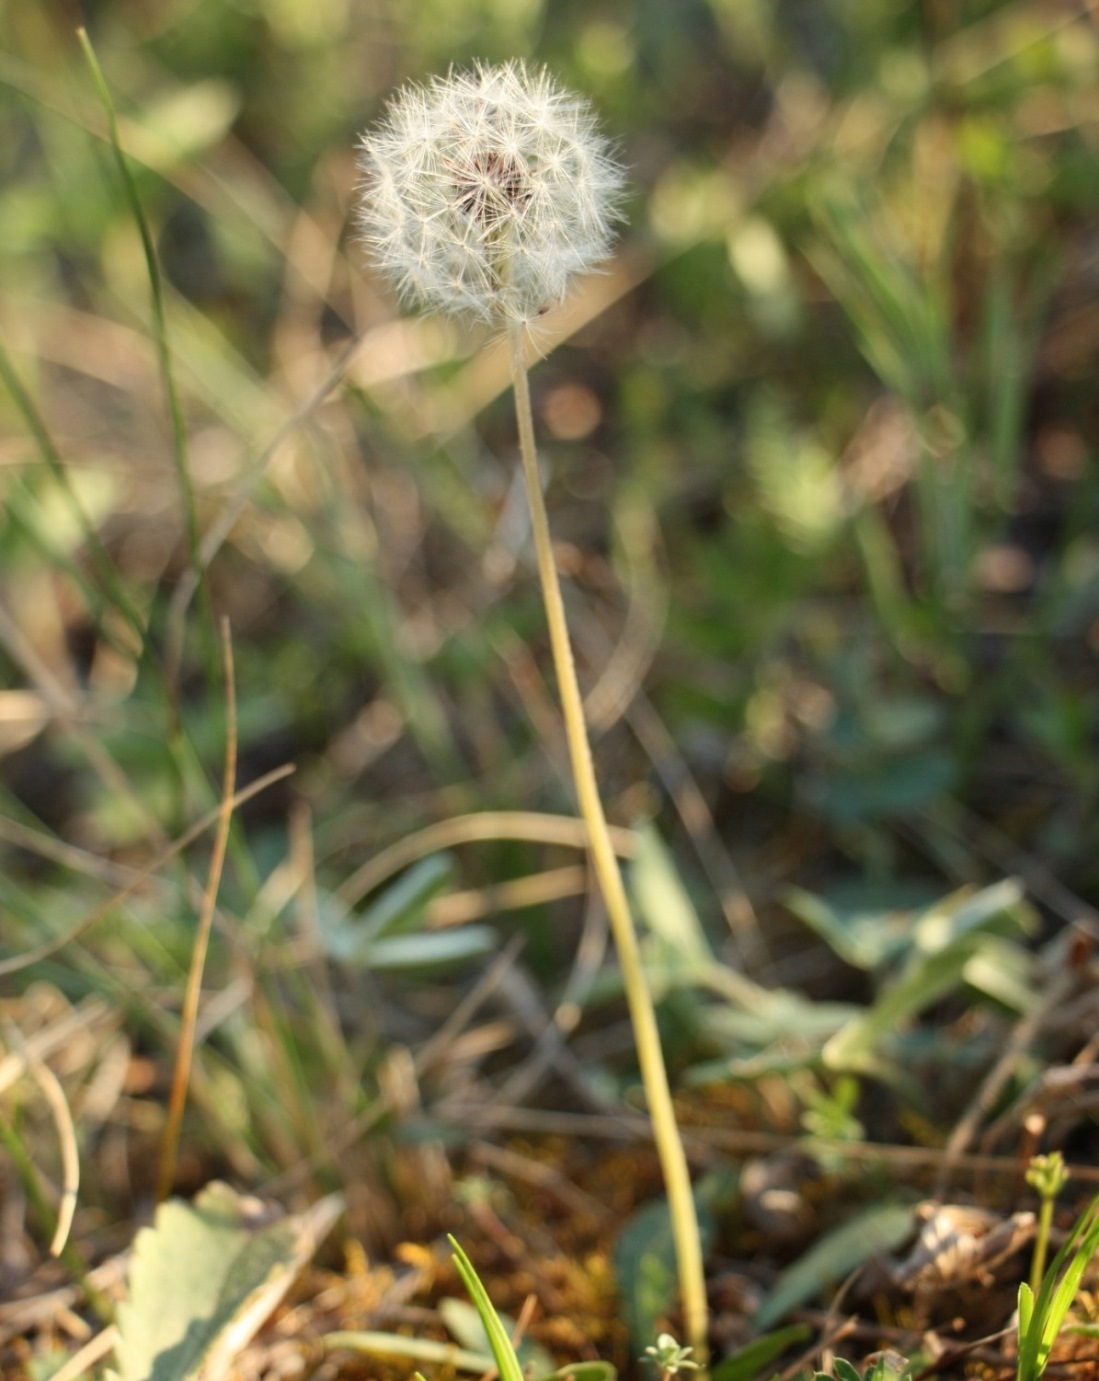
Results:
160 328
1026 1308
51 457
507 1363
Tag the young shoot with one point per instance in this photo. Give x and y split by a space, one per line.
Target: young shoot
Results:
670 1357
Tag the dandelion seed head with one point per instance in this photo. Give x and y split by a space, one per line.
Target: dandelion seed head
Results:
485 191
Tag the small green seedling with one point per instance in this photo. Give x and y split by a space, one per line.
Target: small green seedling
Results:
670 1357
1047 1175
881 1366
1041 1316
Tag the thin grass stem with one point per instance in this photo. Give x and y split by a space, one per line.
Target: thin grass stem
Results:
176 422
182 1073
156 289
654 1074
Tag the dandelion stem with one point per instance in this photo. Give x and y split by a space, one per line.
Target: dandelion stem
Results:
654 1075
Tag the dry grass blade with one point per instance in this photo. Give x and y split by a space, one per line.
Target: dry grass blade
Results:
83 1360
50 1087
181 1075
536 889
54 1095
472 829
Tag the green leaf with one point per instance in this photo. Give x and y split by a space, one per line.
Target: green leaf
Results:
434 948
1026 1309
401 906
864 936
1040 1319
1056 1295
834 1256
790 1020
683 952
465 1323
373 938
507 1363
203 1279
644 1261
747 1362
947 937
993 910
372 1344
644 1256
859 1046
582 1371
1003 972
886 788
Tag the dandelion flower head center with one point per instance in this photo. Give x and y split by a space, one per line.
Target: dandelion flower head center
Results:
489 185
483 193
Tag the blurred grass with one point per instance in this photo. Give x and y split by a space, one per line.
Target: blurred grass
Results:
822 466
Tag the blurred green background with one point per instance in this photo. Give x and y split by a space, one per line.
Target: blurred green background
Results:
820 455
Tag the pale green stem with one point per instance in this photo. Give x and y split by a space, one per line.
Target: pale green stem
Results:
1041 1242
650 1055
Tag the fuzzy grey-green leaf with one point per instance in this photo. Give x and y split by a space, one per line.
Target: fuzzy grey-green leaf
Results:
202 1280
